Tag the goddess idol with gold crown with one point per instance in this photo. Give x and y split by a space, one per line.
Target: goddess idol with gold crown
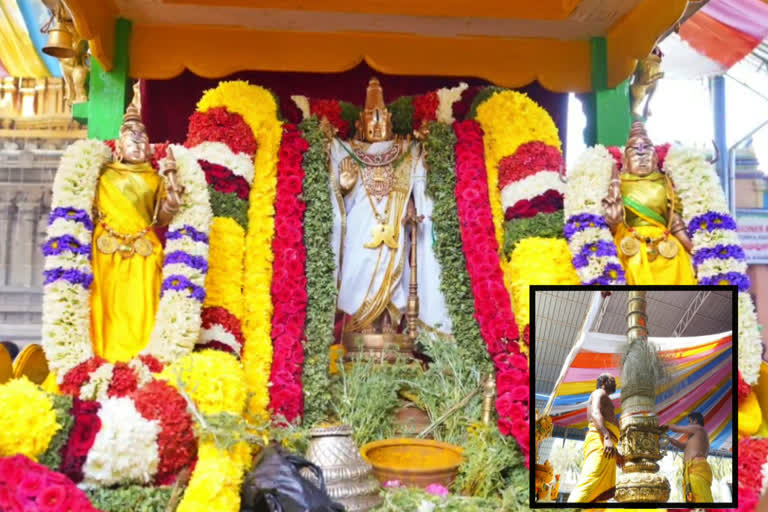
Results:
643 211
379 181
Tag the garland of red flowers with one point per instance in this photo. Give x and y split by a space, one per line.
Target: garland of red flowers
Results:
289 282
224 180
529 159
26 485
331 110
218 125
550 201
217 315
124 381
176 441
425 109
493 309
81 438
79 375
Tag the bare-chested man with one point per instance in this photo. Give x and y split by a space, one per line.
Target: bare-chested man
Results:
697 475
597 482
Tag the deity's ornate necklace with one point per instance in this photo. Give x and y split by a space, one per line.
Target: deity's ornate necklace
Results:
377 172
128 244
631 243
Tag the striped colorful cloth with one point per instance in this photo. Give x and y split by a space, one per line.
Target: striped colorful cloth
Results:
701 380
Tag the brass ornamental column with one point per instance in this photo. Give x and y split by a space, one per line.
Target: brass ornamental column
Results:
640 430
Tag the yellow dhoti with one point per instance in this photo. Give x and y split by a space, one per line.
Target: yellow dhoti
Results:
597 481
697 481
641 271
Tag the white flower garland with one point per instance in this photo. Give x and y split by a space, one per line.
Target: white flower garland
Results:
66 298
587 185
530 187
447 96
219 153
125 449
705 212
66 336
177 325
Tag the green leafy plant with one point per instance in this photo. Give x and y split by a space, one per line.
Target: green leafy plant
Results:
546 225
62 404
135 498
318 225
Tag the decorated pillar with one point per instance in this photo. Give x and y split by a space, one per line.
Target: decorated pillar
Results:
610 117
640 430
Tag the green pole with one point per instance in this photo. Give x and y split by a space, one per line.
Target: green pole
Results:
108 92
611 116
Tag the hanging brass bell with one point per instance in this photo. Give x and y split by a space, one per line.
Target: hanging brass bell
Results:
59 42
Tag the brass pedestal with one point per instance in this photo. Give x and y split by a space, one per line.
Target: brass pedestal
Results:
640 445
384 347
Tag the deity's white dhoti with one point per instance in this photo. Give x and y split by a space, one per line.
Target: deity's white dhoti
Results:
372 280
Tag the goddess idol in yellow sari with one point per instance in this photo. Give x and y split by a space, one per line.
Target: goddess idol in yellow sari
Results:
132 198
643 212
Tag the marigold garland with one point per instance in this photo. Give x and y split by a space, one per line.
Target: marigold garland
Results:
224 282
258 108
493 309
289 284
215 484
321 286
528 266
20 398
455 283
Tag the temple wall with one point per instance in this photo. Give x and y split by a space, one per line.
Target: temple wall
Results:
26 177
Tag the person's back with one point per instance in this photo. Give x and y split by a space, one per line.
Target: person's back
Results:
697 474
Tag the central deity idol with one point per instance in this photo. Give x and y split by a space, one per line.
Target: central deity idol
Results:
379 181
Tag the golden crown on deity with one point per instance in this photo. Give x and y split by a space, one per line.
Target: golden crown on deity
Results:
638 133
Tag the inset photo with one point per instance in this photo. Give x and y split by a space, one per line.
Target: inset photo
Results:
635 397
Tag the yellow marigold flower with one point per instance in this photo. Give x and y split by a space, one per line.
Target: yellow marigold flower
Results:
224 282
213 379
27 419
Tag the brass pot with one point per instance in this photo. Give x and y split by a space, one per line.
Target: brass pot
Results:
349 479
414 462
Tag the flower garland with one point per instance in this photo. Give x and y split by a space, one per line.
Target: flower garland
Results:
224 151
510 119
258 108
176 443
219 126
341 114
125 447
289 285
26 485
19 398
717 253
321 286
215 484
425 108
455 283
493 310
585 227
86 425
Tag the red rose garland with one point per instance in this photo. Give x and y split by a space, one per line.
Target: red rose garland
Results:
176 442
81 438
289 282
548 202
224 180
331 110
529 159
218 125
26 486
425 109
493 309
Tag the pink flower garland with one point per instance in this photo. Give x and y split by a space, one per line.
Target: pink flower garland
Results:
289 282
26 485
493 309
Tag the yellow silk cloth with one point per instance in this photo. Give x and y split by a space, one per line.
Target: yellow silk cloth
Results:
126 290
697 481
649 191
17 52
598 473
750 416
663 271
